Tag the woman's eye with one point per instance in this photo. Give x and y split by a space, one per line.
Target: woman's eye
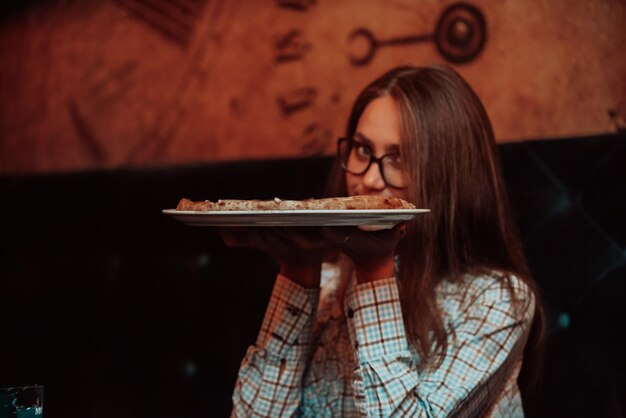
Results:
363 150
396 160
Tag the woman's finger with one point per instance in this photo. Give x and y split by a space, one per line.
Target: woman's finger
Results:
336 234
271 241
304 238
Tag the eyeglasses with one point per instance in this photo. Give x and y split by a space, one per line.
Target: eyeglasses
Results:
356 158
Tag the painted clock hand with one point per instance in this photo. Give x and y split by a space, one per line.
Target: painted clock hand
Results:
372 44
459 36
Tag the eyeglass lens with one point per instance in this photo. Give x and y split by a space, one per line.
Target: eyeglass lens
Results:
356 158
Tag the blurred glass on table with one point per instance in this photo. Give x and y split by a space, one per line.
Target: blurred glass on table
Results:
21 401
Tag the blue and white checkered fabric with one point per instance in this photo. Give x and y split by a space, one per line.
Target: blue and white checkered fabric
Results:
333 356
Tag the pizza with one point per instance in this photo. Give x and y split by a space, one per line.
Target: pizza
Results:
330 203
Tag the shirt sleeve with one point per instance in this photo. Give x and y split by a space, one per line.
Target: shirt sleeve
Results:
485 343
270 376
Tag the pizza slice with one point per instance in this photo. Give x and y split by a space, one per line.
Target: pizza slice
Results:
331 203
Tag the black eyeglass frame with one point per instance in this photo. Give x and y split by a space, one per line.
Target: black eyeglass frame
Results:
373 159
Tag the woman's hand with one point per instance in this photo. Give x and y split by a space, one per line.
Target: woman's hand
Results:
298 250
372 252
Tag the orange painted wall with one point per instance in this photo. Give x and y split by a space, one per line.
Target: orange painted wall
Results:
107 84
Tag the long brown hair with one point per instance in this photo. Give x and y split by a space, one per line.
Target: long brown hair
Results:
454 168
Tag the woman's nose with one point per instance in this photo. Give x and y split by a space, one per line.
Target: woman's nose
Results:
373 178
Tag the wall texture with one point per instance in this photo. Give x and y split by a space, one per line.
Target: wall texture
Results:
107 84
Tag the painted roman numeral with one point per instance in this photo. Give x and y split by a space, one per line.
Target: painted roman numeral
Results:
296 100
301 5
291 46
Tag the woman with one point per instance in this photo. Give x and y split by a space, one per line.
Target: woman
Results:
429 318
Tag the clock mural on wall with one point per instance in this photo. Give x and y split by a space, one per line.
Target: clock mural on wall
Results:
121 83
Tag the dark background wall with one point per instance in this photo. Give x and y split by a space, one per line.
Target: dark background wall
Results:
123 312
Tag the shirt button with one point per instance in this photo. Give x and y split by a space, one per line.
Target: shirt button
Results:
350 313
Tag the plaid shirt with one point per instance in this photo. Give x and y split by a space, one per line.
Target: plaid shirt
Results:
319 355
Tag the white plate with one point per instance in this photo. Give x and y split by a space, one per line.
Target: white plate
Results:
369 218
